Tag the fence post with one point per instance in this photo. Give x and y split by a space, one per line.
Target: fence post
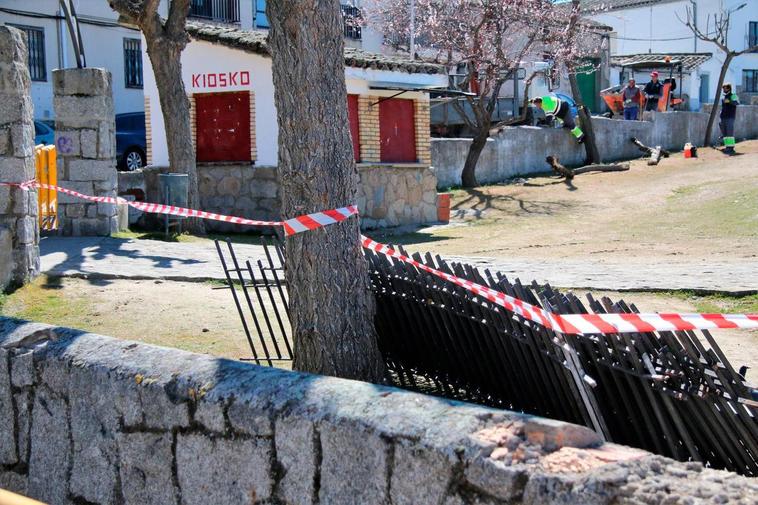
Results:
19 230
85 137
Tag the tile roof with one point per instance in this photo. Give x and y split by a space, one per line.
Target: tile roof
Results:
254 41
690 61
611 5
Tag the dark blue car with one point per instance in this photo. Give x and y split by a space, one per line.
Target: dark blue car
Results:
131 141
43 133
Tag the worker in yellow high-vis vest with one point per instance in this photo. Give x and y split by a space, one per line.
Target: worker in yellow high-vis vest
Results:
554 106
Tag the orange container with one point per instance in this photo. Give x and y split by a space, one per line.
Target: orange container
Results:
443 207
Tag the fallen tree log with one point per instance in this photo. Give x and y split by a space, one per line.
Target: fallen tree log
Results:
655 156
569 173
613 167
655 153
558 168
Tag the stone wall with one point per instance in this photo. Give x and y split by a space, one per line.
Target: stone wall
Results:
19 226
91 419
85 137
388 195
396 195
522 150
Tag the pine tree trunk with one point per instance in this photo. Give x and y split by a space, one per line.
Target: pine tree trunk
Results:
585 122
715 108
468 175
165 57
331 306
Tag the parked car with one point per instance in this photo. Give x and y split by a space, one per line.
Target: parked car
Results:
43 133
131 141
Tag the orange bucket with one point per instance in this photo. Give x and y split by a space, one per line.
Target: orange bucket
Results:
443 207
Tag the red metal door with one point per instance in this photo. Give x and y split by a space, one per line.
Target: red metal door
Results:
397 130
352 113
223 126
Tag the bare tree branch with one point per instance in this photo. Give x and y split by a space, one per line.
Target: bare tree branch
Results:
177 18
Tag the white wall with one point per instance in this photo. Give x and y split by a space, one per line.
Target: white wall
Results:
103 47
202 58
636 29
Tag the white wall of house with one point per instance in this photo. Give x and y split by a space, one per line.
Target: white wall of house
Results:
635 31
103 46
202 58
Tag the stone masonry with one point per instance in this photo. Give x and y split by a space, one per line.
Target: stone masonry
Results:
388 195
96 420
396 195
85 136
19 227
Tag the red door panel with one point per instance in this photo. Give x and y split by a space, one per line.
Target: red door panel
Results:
352 114
397 130
223 126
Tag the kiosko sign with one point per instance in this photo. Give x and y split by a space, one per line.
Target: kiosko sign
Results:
221 79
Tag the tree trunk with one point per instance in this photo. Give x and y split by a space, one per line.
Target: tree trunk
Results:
590 143
715 108
165 57
468 175
331 306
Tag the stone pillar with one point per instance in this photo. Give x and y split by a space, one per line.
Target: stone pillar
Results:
19 228
85 136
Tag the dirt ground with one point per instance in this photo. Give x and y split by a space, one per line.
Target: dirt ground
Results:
689 209
199 317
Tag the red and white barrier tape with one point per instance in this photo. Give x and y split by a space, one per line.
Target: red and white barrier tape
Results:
291 226
561 323
582 323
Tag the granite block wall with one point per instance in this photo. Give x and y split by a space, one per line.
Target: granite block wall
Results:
19 226
85 138
96 420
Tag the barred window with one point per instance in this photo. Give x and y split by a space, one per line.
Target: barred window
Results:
35 41
752 34
133 63
750 81
351 20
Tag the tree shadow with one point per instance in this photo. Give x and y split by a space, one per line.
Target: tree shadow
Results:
479 202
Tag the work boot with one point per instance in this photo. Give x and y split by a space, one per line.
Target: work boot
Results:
729 150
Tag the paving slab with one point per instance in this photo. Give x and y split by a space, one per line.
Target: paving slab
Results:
111 258
657 274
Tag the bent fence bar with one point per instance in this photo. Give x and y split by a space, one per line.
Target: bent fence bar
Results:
673 393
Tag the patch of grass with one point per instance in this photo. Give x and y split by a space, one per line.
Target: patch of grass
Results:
683 191
719 303
236 238
43 301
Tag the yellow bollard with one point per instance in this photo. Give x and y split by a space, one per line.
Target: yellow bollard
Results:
40 160
45 161
8 498
52 195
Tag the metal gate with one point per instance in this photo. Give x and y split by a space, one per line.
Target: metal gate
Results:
672 393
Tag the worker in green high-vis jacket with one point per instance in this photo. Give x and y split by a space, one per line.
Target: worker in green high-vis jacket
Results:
554 106
729 104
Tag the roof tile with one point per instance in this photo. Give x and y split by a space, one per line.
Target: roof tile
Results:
254 41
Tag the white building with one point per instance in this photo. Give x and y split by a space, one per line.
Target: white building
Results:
227 73
117 47
652 29
106 44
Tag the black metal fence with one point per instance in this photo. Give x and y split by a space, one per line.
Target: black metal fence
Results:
673 393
